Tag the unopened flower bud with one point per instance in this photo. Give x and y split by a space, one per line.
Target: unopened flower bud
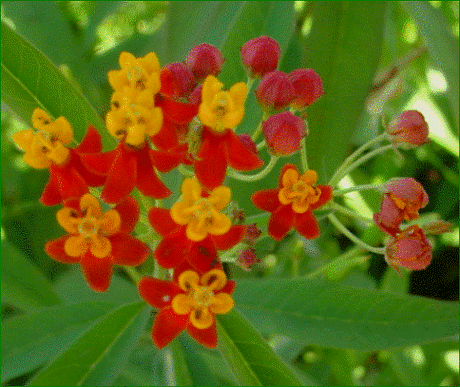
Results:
409 249
275 91
409 128
247 258
183 78
308 87
247 141
283 133
260 56
204 60
252 233
195 96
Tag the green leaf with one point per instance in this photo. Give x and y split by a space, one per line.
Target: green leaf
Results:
98 356
251 359
30 340
30 80
23 285
344 48
331 314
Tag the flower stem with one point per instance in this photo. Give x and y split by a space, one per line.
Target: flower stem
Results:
132 272
260 145
257 176
303 155
341 192
257 131
337 223
349 213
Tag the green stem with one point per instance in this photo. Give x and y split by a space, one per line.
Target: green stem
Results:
341 192
249 83
132 272
337 223
185 171
349 213
303 155
260 145
336 177
257 131
257 176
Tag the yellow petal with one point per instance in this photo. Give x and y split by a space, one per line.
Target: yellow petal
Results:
90 206
151 63
220 224
178 213
182 304
126 60
214 279
220 197
283 196
110 222
154 83
201 318
300 206
232 118
61 130
117 79
145 98
191 190
238 93
37 160
101 247
23 139
59 154
221 303
156 122
136 135
40 119
115 124
68 219
196 232
188 280
211 86
207 116
310 177
290 177
76 246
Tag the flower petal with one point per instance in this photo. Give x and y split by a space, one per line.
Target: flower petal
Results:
280 222
68 219
178 112
306 225
173 249
128 250
266 200
165 161
92 179
326 195
206 337
90 205
76 246
220 197
203 255
99 163
55 249
69 182
166 138
161 221
183 304
128 209
202 318
229 239
51 195
91 142
167 326
101 247
239 156
158 293
110 222
97 271
221 303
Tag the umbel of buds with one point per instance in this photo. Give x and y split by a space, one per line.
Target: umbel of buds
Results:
283 133
204 60
409 128
260 56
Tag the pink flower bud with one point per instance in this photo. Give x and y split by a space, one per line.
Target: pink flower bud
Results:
409 249
402 200
260 56
409 128
283 133
247 141
195 96
247 258
183 78
204 60
308 87
275 91
252 233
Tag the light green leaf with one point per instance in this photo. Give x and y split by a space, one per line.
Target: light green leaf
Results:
98 356
23 284
253 362
30 340
331 314
30 80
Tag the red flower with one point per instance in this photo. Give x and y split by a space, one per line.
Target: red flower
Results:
293 202
127 167
98 241
188 303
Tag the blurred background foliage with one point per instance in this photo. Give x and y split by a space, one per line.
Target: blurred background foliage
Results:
417 69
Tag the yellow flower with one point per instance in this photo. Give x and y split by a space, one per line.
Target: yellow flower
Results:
90 228
202 298
46 145
136 73
219 109
201 215
298 190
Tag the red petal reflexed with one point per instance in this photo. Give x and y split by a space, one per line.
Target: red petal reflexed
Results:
206 337
166 138
97 271
73 203
203 255
167 83
306 225
161 221
158 293
91 178
229 287
121 178
167 326
51 195
128 209
280 222
178 112
230 238
147 180
127 250
283 170
165 161
55 249
211 166
239 156
68 181
100 163
326 195
266 200
173 249
184 266
91 143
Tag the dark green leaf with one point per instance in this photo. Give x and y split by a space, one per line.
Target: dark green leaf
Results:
331 314
98 356
251 359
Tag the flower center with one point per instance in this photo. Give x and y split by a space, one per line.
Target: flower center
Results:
299 192
203 296
137 77
89 228
203 212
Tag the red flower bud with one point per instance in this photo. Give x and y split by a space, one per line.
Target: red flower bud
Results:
275 91
283 133
204 60
260 56
247 142
308 87
183 79
247 258
409 249
252 233
195 96
409 128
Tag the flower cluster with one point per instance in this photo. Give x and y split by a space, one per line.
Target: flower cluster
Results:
181 117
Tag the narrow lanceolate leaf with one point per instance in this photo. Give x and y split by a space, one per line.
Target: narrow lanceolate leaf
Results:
23 284
30 340
99 355
344 48
253 362
30 80
335 315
